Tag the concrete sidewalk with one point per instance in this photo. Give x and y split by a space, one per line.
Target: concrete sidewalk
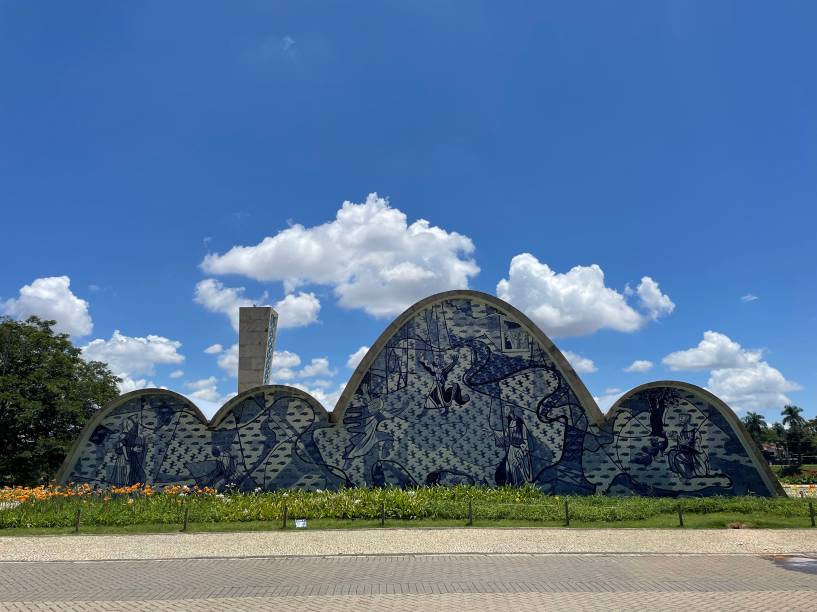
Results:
408 541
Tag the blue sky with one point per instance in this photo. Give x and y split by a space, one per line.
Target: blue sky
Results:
671 145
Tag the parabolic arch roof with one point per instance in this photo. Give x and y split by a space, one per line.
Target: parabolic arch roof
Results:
460 388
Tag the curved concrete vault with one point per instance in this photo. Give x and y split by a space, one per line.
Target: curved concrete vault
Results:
461 388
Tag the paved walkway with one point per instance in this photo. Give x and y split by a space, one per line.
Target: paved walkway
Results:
407 541
497 569
411 582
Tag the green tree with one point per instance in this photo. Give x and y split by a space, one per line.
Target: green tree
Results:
47 394
778 433
756 426
795 423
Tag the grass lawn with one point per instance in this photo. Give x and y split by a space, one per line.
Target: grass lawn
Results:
717 520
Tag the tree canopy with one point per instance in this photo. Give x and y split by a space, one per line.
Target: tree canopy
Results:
797 435
47 394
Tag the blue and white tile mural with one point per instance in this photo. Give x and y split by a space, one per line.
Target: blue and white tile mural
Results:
462 389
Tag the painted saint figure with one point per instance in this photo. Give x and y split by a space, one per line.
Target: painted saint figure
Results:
687 457
362 420
443 395
128 466
516 468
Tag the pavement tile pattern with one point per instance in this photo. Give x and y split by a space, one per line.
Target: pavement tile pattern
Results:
412 582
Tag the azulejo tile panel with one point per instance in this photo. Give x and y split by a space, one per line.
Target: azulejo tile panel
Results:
462 388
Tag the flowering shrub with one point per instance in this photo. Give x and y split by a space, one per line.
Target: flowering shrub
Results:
41 493
55 506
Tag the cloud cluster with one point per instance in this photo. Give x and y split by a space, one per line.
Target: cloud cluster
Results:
205 389
284 365
315 377
737 375
715 351
130 357
369 254
326 398
294 310
639 365
582 365
297 310
356 357
205 394
654 303
51 298
578 302
606 400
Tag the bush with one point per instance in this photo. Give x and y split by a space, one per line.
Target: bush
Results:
46 507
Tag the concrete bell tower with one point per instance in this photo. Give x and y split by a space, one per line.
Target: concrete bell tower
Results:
256 344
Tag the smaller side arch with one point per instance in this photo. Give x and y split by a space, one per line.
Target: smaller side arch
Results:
103 413
766 475
235 401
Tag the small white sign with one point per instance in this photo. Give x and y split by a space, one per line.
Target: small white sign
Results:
300 523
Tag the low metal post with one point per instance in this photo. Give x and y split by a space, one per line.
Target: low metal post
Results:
567 514
186 517
470 514
811 512
680 516
382 514
284 526
77 520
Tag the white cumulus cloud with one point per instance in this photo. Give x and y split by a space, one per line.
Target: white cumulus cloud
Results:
319 366
176 374
737 375
283 363
756 387
215 297
716 350
128 384
297 310
206 389
214 349
653 302
51 298
356 357
294 310
577 302
205 394
606 400
639 365
582 365
369 254
130 357
133 355
325 397
228 361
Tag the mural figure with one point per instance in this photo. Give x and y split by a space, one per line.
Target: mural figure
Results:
128 467
442 395
687 457
464 389
515 468
362 419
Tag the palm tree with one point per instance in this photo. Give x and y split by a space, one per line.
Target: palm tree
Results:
755 424
794 421
792 416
